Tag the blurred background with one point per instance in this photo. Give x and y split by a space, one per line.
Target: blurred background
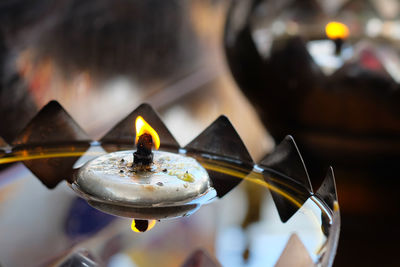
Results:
270 66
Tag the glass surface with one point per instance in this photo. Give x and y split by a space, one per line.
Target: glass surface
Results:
38 225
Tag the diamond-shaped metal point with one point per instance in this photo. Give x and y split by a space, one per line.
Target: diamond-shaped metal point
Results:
285 207
221 139
286 160
200 258
52 125
125 133
327 191
295 254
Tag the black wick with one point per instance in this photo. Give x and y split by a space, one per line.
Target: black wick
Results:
143 155
338 45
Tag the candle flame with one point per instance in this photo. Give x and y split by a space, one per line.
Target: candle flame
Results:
336 30
143 127
140 226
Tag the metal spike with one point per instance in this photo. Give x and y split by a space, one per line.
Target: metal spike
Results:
221 139
286 208
124 132
295 254
327 190
286 160
52 125
200 258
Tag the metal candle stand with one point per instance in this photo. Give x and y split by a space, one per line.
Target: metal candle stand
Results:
53 126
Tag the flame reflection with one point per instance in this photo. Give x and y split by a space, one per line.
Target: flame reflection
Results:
140 226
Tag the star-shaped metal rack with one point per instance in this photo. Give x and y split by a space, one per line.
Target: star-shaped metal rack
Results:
53 126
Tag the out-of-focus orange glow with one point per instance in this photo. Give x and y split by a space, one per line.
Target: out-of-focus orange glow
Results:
143 127
142 228
336 30
38 75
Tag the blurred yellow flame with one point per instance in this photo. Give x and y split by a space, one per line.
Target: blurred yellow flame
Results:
336 30
143 127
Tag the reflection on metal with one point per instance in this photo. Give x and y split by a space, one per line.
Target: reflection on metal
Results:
200 258
124 132
286 160
52 125
327 191
140 226
295 254
221 139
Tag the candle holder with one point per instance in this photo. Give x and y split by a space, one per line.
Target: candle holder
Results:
55 148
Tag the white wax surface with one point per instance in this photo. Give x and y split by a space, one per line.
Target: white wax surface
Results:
172 178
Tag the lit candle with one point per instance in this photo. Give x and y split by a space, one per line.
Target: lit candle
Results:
144 140
337 32
131 183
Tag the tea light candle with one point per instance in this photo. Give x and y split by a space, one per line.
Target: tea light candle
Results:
143 178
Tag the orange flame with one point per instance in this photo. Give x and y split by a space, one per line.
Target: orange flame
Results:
143 127
336 30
